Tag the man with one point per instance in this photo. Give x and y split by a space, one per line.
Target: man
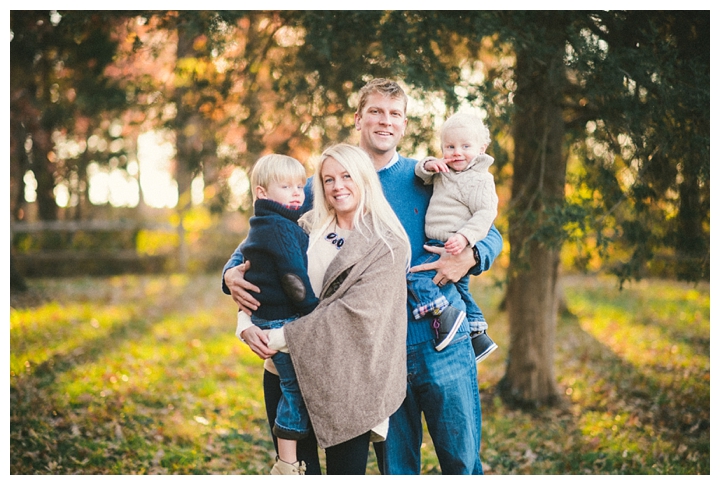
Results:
442 386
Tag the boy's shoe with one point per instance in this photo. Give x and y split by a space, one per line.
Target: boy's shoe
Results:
446 326
284 468
483 345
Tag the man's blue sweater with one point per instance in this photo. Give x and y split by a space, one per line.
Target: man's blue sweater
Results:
277 250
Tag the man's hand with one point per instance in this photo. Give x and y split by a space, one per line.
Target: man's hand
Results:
239 287
257 340
448 267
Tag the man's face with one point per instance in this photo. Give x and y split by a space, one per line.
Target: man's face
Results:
381 124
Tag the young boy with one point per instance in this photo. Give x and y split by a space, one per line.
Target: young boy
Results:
277 247
462 210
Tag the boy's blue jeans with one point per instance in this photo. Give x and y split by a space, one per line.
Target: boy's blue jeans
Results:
292 421
424 295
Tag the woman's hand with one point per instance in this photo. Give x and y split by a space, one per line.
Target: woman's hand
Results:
257 340
448 267
239 287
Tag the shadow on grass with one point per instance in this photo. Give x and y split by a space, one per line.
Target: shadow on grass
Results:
46 372
614 417
168 421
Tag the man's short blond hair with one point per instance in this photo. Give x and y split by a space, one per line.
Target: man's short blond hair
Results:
276 168
383 86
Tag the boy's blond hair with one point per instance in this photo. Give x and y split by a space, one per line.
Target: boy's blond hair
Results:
275 168
469 122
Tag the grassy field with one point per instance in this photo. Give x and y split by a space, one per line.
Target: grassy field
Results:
143 375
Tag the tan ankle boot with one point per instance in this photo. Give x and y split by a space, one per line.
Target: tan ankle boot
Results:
284 468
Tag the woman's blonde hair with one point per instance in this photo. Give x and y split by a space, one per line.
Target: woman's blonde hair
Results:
275 168
372 203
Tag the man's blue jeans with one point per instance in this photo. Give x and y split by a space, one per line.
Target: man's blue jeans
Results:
443 387
292 421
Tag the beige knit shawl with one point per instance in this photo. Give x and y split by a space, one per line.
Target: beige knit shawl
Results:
349 353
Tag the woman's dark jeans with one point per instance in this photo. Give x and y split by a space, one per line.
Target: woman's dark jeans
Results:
348 458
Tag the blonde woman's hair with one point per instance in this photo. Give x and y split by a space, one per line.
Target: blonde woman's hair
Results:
372 201
275 168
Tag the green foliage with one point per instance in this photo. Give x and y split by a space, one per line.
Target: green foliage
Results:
636 94
143 375
102 241
60 93
643 108
635 101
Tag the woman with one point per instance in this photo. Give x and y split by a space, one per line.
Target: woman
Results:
349 353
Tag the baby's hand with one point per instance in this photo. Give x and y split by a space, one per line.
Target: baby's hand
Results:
455 244
432 164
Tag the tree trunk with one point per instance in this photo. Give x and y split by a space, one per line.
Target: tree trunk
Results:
18 166
538 186
690 244
44 172
188 143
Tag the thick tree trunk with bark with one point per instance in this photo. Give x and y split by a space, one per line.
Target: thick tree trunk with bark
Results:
691 246
538 186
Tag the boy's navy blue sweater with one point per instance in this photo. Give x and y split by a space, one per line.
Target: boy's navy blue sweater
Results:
277 250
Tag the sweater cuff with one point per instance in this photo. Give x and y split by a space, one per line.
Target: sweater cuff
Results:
243 322
421 165
483 258
276 340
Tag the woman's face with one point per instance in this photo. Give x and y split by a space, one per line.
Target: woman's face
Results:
341 192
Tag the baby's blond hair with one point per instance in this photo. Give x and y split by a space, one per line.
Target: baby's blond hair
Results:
466 121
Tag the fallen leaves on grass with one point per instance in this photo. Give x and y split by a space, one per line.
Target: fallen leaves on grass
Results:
143 375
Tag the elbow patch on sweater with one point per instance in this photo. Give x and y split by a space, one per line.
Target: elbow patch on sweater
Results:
294 287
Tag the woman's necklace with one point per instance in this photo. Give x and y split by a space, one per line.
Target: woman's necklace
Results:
335 238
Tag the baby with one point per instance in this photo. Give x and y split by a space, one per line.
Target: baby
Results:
462 210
